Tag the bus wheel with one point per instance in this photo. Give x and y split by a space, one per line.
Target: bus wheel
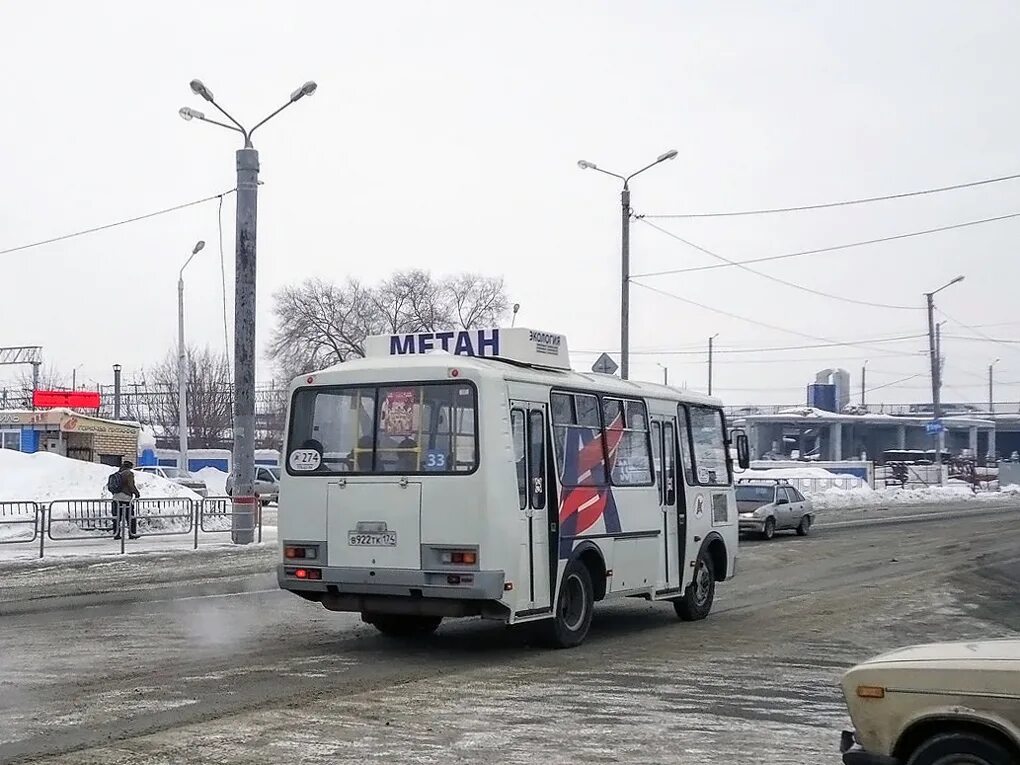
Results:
696 602
403 625
574 606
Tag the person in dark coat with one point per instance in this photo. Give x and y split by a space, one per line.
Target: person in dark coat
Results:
122 501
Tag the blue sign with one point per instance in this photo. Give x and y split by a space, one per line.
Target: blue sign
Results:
934 427
480 342
435 460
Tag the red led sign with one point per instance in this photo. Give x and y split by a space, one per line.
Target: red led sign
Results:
76 399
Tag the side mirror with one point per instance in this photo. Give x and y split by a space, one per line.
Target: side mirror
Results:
743 451
782 501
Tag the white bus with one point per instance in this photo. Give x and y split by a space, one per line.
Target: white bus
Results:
472 473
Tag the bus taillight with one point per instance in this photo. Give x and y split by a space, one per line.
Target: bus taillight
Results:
460 557
305 573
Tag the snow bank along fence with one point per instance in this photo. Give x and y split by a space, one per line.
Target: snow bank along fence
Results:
26 522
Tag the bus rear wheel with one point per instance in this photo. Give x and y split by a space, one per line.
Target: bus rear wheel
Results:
403 625
574 606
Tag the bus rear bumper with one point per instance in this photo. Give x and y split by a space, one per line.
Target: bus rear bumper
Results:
437 593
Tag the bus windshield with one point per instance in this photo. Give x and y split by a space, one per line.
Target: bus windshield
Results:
402 428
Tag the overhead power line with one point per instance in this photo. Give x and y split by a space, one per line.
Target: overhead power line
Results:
833 248
758 322
124 222
724 349
794 285
845 203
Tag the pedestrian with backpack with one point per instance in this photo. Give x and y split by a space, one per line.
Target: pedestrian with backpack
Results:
122 486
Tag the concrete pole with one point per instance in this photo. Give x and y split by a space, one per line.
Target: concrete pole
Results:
244 501
935 381
182 380
864 373
625 284
991 399
711 340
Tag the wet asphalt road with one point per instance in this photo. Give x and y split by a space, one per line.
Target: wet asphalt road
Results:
267 678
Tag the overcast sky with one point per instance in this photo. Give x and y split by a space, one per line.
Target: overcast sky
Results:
445 136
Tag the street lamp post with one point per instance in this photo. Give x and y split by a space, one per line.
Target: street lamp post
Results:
864 390
711 341
991 397
116 391
665 373
625 253
936 373
182 366
244 500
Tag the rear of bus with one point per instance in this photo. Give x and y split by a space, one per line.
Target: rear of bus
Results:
383 494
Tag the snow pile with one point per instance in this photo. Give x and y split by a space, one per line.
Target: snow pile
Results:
799 473
44 476
954 493
215 481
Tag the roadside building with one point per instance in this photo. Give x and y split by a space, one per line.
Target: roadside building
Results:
69 434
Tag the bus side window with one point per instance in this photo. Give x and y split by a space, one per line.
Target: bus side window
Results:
517 426
536 459
657 457
668 464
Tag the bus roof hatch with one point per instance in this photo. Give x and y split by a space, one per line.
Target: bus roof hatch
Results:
518 344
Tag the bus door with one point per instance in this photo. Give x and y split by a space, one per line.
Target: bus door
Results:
528 422
666 456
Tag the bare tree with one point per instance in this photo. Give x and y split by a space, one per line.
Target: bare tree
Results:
476 300
209 399
319 323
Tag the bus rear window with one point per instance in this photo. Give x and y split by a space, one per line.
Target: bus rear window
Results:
413 428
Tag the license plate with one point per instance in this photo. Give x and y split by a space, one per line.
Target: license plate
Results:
374 539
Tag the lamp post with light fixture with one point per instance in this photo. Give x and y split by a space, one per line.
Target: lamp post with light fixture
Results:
182 366
243 467
625 253
936 374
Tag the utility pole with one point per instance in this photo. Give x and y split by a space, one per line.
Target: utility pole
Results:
864 373
935 382
182 367
711 340
625 254
625 284
934 351
245 503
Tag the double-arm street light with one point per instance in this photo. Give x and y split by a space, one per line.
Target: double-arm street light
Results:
625 253
244 500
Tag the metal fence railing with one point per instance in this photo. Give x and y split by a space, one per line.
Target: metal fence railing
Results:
20 523
100 520
217 514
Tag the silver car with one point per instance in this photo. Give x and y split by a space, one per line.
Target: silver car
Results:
267 484
765 507
178 476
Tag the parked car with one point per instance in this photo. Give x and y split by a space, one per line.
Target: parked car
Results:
938 704
267 484
765 507
177 475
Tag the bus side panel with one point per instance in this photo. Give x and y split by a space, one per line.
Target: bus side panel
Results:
637 558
